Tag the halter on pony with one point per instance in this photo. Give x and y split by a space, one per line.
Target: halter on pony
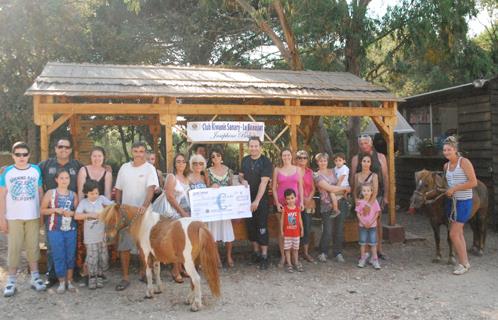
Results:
122 222
426 201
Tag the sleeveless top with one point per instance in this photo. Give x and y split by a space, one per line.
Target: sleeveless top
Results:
325 201
181 195
287 182
57 222
101 181
222 181
375 167
456 177
307 182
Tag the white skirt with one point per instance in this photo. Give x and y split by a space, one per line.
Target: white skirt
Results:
221 230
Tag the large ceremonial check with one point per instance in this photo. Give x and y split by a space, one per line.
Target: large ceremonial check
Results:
224 203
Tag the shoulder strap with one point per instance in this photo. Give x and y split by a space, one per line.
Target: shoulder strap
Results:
87 173
369 176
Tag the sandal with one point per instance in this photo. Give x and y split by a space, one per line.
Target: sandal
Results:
230 263
299 268
308 258
178 278
123 284
290 269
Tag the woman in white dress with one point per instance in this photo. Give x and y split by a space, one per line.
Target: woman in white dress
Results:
219 175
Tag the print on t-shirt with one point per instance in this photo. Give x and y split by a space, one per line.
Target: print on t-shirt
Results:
23 188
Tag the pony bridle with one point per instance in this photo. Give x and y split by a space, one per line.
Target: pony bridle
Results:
123 219
424 195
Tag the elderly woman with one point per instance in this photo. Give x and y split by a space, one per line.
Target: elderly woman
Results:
287 176
308 202
332 227
461 179
219 175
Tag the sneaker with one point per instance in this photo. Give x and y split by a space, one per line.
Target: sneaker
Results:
71 287
9 290
322 257
461 269
100 282
376 264
38 285
362 262
263 263
92 283
340 258
61 288
255 257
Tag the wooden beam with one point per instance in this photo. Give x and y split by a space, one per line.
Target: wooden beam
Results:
293 122
74 129
381 125
391 122
120 122
59 122
210 109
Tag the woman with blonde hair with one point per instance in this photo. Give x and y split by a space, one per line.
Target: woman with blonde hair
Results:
461 179
302 161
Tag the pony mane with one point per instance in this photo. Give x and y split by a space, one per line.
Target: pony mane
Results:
107 214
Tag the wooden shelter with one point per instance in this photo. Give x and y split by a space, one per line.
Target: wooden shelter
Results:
469 110
65 92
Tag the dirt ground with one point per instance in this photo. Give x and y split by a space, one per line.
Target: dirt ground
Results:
409 286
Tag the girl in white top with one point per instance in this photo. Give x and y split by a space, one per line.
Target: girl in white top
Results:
461 179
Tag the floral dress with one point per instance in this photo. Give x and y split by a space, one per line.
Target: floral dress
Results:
221 230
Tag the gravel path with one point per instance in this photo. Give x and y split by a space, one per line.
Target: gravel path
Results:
409 286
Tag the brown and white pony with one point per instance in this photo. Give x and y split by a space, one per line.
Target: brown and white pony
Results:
430 195
186 241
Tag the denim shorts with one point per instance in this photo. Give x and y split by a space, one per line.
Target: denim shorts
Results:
368 236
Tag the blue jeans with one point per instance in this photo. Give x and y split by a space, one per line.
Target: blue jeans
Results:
306 227
63 250
368 236
333 229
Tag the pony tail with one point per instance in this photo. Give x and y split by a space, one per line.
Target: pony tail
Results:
209 260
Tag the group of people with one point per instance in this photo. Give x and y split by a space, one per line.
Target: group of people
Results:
63 192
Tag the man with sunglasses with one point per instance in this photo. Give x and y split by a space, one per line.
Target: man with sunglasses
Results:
20 194
378 166
135 186
49 167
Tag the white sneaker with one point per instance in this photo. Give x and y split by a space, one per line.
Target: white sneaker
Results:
71 287
322 257
375 264
340 258
461 269
362 262
10 289
61 288
38 285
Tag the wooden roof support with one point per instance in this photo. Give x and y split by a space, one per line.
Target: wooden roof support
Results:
210 109
59 122
168 120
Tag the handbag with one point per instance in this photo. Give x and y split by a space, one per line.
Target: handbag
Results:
162 206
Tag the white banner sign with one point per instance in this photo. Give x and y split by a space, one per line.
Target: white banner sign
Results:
224 131
224 203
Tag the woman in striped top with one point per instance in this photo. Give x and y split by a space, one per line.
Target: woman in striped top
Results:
461 179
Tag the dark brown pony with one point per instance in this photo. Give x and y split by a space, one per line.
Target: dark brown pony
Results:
186 241
430 195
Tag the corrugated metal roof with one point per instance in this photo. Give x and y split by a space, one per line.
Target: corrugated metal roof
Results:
402 126
71 79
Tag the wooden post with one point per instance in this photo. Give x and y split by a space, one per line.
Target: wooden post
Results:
241 154
155 131
293 121
44 120
74 123
168 120
391 121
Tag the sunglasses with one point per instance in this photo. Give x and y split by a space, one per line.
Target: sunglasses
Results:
197 163
301 158
64 147
21 155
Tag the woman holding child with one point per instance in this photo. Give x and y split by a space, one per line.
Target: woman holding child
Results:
333 227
